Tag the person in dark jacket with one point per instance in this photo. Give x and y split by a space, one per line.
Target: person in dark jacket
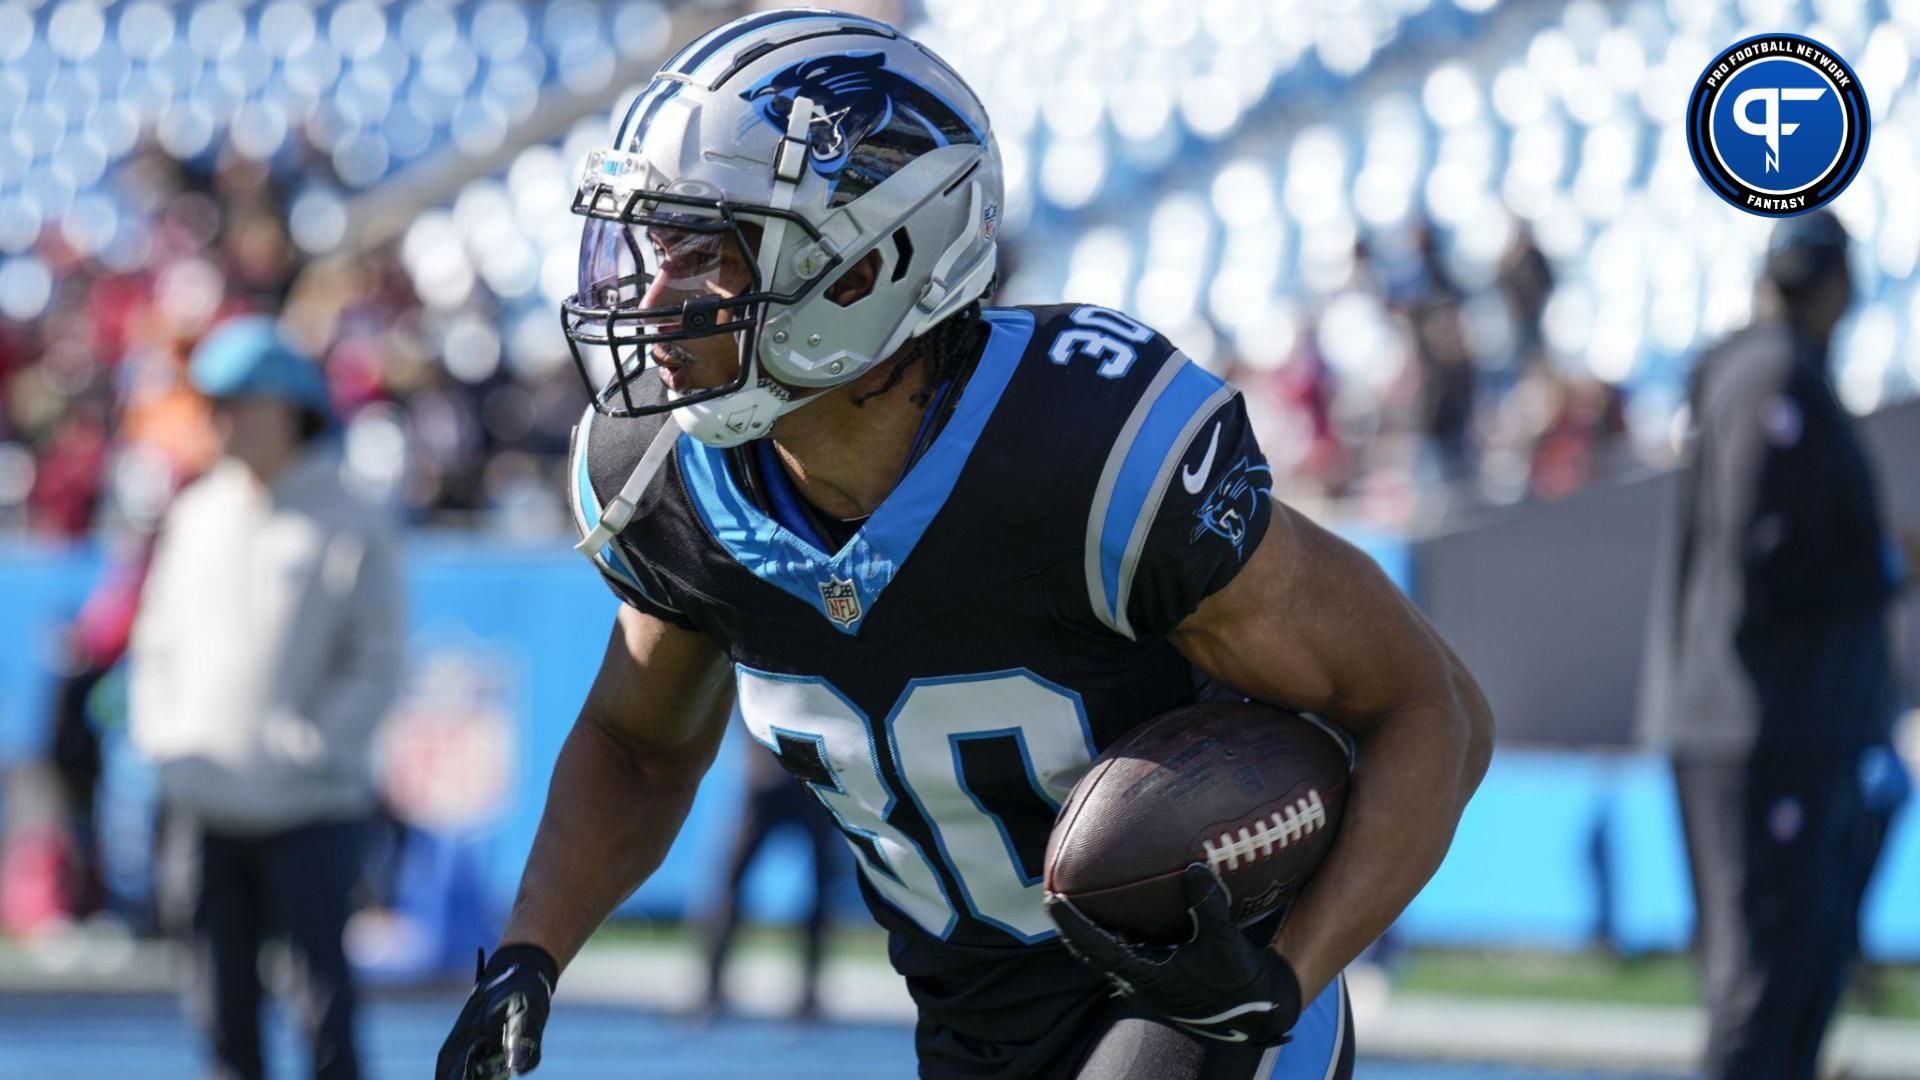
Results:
774 799
1779 685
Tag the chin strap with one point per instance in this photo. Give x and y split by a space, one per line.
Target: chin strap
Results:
619 511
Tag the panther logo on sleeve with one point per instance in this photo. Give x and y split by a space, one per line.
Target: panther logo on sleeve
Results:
1231 504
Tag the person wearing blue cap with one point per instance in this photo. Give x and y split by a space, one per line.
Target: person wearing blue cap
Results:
1776 691
266 650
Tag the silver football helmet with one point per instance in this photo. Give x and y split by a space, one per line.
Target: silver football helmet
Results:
789 145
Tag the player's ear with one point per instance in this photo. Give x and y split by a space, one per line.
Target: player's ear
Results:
857 281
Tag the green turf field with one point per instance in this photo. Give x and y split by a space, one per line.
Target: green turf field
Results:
1662 979
1658 979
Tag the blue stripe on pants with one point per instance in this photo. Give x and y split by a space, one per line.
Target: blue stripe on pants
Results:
1318 1041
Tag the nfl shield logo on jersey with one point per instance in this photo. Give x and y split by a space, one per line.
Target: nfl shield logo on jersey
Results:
842 600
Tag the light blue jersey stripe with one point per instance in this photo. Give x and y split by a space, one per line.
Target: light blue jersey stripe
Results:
1182 403
868 561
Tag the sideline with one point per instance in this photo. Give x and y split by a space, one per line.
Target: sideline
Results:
763 982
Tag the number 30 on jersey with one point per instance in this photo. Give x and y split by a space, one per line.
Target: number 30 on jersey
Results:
825 741
1101 334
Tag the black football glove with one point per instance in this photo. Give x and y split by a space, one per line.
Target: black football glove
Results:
1216 984
498 1033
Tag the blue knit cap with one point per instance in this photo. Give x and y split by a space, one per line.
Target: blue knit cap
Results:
247 357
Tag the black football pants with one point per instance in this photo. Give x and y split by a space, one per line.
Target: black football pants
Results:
1139 1046
1781 848
1037 1014
294 885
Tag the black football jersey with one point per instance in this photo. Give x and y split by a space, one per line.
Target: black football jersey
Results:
943 679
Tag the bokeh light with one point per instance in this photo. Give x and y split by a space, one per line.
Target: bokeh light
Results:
1199 164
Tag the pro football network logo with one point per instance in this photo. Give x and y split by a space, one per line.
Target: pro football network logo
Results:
1778 125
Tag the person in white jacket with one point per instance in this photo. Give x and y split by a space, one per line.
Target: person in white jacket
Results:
265 653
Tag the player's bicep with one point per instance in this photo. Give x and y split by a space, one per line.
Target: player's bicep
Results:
1312 624
662 692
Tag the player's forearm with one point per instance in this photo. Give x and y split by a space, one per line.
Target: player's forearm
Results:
1416 771
612 812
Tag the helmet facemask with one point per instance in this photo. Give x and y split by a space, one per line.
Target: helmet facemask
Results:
624 311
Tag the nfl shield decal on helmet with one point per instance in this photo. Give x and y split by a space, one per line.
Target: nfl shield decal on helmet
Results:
842 600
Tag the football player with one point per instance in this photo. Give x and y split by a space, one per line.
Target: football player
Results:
942 555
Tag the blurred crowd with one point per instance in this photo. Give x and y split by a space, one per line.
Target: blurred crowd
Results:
1469 407
99 426
1431 241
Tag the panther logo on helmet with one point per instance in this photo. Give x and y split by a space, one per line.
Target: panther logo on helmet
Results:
856 94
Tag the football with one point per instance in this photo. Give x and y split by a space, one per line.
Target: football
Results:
1252 791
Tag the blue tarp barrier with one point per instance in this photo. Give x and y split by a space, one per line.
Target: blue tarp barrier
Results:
1523 868
1558 850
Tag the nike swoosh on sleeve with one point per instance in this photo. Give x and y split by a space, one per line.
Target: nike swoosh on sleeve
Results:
1194 479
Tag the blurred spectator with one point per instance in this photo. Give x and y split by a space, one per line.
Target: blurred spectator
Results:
1562 428
1779 700
1526 283
92 646
775 800
1586 425
67 484
266 650
1292 409
1434 397
1425 295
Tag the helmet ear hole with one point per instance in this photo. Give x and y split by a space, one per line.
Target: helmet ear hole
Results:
903 248
856 282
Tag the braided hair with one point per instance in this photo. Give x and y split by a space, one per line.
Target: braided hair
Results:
946 351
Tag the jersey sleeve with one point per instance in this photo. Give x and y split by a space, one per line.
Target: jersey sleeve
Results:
627 574
1183 500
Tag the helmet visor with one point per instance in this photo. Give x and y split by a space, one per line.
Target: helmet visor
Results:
655 279
649 283
658 267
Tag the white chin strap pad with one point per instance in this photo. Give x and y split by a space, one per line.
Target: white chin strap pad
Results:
735 418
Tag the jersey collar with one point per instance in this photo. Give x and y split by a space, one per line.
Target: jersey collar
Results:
844 586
